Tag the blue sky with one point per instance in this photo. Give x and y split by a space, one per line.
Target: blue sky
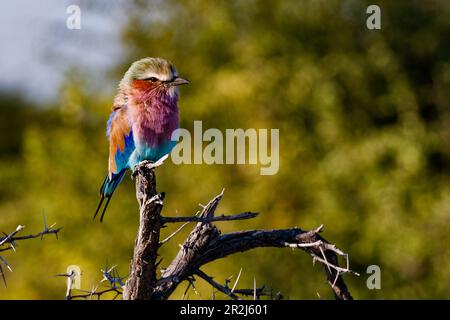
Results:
37 47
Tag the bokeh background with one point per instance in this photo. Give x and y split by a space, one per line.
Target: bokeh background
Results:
364 121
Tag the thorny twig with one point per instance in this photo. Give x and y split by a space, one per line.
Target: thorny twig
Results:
233 293
321 246
8 242
110 275
217 285
89 294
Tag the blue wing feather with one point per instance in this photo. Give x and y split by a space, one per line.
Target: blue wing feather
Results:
121 157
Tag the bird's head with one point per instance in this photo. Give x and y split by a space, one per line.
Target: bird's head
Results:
151 76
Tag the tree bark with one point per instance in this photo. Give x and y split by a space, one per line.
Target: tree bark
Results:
206 244
142 278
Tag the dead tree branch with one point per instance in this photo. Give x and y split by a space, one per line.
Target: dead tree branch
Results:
217 285
88 295
233 293
206 244
110 275
9 242
142 277
240 216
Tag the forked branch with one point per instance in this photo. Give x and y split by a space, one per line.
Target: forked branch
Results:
205 244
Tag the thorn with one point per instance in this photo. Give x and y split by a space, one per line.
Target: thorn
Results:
319 229
237 280
3 276
6 264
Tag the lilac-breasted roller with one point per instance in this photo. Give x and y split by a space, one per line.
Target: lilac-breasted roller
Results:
143 118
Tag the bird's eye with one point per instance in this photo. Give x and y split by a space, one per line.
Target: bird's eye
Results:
152 79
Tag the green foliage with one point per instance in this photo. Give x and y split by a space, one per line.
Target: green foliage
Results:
364 123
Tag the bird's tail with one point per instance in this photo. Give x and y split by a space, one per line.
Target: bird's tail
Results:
107 190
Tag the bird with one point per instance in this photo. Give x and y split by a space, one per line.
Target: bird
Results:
143 117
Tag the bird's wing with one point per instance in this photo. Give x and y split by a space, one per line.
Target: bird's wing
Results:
121 143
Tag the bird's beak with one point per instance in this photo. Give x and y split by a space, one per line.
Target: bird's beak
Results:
178 81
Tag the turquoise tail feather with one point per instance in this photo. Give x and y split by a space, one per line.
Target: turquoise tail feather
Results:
107 190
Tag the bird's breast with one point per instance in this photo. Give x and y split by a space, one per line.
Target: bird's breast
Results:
154 122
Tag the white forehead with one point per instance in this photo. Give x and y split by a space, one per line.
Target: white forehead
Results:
163 76
156 67
148 68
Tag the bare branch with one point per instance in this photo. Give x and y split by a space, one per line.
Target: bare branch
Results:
8 242
142 277
240 216
174 233
255 292
9 237
205 244
38 235
110 275
98 294
216 285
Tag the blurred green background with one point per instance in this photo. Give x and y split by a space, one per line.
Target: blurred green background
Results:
364 121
